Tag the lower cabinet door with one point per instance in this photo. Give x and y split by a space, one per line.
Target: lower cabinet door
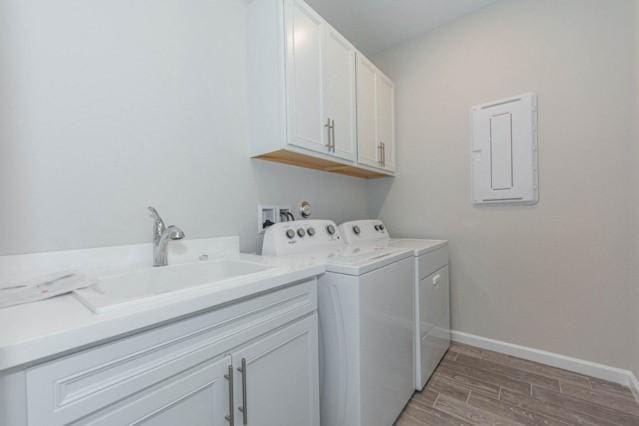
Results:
277 378
196 397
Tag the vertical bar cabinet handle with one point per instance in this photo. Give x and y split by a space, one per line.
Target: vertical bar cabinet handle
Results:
383 154
231 417
244 408
333 133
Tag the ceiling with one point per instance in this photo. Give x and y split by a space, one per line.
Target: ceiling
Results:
375 25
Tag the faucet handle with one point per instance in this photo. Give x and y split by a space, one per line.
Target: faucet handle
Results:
156 216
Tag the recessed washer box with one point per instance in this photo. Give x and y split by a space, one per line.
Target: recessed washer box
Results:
504 151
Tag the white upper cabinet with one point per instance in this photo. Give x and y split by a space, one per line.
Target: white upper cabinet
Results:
375 116
369 150
339 94
303 94
304 70
385 90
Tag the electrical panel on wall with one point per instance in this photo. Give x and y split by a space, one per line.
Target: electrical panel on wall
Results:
504 151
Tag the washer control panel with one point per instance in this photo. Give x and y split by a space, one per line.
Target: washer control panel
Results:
363 231
301 236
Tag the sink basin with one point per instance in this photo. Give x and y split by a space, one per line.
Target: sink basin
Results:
147 286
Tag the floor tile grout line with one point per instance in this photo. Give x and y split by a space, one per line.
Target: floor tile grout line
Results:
467 386
489 414
588 383
436 399
586 386
487 372
573 388
415 419
453 414
525 372
602 393
592 403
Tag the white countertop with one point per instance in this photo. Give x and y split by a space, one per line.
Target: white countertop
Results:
39 330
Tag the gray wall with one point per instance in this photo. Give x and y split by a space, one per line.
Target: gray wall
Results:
557 276
108 107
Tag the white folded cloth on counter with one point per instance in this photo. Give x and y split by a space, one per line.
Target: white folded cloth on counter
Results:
43 287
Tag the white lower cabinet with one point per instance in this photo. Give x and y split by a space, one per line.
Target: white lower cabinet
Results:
277 378
250 363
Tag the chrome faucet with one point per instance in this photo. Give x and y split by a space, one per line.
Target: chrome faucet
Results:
162 234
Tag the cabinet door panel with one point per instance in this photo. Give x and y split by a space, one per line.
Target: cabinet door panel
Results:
198 397
367 141
339 92
386 118
304 44
282 383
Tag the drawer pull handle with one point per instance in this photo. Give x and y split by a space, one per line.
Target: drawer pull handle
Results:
231 417
244 408
329 127
333 135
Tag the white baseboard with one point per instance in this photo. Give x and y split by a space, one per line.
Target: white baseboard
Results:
600 371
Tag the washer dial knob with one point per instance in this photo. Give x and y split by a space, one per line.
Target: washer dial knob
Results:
310 231
301 232
330 229
377 228
356 230
290 234
381 227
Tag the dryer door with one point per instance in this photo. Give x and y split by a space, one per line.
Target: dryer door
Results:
434 303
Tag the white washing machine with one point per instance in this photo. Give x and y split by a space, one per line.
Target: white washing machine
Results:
432 290
366 322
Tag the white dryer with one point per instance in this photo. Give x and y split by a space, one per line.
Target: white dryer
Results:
366 322
431 290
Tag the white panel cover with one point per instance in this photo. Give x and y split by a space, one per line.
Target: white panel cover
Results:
504 151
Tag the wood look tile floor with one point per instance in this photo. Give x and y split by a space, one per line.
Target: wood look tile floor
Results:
473 386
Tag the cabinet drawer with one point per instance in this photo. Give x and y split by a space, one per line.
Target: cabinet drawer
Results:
66 389
198 396
432 261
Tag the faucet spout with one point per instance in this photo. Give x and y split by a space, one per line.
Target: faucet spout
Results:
162 235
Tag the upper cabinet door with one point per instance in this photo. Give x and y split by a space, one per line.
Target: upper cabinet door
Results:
368 147
386 120
375 116
339 95
304 87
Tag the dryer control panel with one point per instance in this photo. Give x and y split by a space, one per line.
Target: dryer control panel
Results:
359 231
301 236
